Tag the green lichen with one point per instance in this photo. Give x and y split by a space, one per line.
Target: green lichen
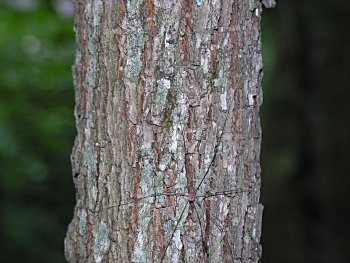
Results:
147 173
220 147
246 239
161 95
146 219
182 204
159 109
89 161
168 227
252 5
200 2
133 6
166 158
200 173
91 72
161 32
82 222
198 136
176 155
214 72
183 255
101 238
91 44
135 45
139 254
141 39
170 110
101 242
147 169
219 82
133 64
235 222
93 17
214 75
181 181
168 122
159 186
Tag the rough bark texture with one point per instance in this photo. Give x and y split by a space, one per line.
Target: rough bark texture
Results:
166 160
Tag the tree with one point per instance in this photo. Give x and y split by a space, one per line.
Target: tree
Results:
166 160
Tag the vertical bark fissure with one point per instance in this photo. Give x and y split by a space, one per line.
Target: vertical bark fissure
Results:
167 100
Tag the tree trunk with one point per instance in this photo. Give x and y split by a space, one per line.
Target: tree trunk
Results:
166 160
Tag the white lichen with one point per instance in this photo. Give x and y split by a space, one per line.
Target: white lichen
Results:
164 162
235 222
174 140
254 232
139 254
223 99
177 239
147 169
219 82
198 136
251 99
205 63
246 239
199 2
101 242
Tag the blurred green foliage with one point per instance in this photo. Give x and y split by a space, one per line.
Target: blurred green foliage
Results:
36 132
305 149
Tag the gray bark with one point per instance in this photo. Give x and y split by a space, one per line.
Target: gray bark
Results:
166 160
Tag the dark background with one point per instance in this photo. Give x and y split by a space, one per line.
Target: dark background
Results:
305 119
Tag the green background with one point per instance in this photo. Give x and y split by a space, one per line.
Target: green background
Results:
36 131
305 119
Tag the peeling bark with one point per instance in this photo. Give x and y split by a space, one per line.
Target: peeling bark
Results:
166 160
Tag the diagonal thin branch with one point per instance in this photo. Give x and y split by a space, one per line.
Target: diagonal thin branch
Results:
172 235
204 245
215 151
215 220
148 196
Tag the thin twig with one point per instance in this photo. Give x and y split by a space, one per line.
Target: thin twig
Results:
148 196
200 183
216 149
215 220
172 235
204 245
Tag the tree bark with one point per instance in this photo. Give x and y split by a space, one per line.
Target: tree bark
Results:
166 160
